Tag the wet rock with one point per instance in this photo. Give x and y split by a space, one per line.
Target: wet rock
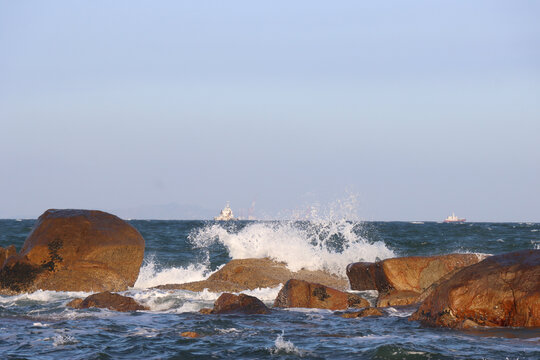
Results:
205 311
6 253
502 290
300 293
107 300
249 274
363 313
75 250
406 275
230 303
75 303
397 298
190 334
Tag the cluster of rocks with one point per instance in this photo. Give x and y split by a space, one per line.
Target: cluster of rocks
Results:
458 290
92 251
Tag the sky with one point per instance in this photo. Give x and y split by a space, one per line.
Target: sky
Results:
415 109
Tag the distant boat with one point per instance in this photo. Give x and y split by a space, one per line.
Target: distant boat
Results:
226 214
454 219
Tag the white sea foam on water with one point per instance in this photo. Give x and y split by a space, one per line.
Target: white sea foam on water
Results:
38 324
44 296
300 245
283 346
264 294
317 238
63 339
151 274
180 301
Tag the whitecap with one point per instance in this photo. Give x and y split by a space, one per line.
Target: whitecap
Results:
282 346
151 274
63 339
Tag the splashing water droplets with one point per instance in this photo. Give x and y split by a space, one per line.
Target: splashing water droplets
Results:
328 243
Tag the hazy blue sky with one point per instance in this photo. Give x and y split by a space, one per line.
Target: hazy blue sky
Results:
420 108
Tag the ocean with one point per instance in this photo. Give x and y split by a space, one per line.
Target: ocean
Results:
40 326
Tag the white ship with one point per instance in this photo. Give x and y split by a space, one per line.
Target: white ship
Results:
453 219
226 214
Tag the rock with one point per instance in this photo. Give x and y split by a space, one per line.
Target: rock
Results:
300 293
75 250
205 311
75 303
397 279
6 253
362 275
249 274
229 303
397 298
109 301
370 311
190 334
502 290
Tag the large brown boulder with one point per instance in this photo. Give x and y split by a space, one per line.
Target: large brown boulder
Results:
303 294
244 304
406 275
107 300
249 274
502 290
75 250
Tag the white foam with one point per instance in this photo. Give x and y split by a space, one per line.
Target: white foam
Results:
64 339
308 245
264 294
151 275
42 296
283 346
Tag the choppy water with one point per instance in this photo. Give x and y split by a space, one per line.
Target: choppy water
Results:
40 326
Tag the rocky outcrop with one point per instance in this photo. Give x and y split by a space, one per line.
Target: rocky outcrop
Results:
244 304
75 250
109 301
249 274
303 294
6 253
363 313
399 279
502 290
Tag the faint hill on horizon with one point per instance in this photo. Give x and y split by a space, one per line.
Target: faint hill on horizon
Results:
171 211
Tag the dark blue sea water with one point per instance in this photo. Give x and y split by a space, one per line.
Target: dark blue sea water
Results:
40 326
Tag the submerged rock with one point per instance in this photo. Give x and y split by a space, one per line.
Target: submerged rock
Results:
230 303
502 290
363 313
300 293
75 250
190 334
109 301
248 274
398 279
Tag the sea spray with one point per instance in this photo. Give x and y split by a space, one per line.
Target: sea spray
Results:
282 346
152 274
313 245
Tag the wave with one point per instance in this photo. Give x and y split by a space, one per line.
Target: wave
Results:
284 347
312 245
151 274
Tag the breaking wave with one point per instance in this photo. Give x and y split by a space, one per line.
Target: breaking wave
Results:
313 245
